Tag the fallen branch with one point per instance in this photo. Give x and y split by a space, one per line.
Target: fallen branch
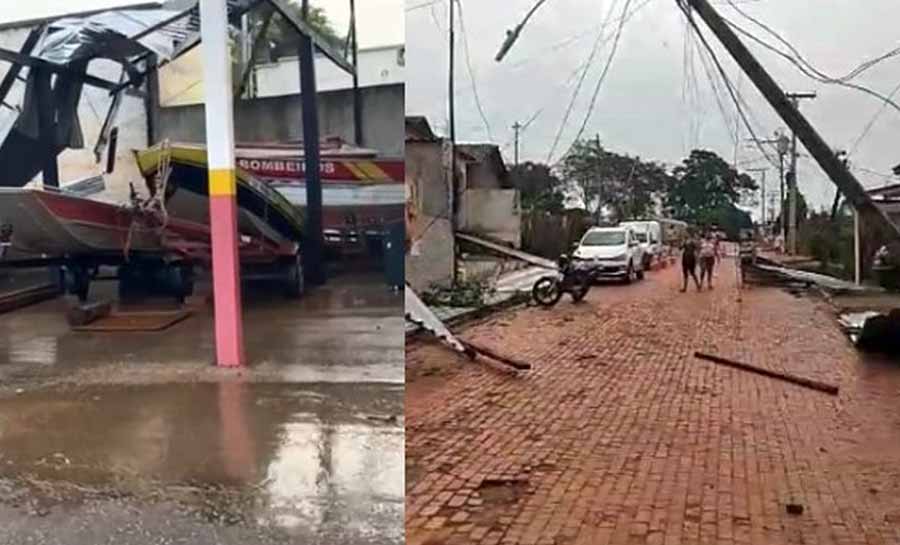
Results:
812 384
478 349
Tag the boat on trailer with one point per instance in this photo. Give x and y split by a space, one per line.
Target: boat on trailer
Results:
149 244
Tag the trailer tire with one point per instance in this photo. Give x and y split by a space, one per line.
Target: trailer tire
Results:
78 281
295 284
183 281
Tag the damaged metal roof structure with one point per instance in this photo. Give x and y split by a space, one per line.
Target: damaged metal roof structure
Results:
40 93
39 98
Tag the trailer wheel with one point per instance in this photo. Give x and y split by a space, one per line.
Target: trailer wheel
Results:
294 282
78 281
183 281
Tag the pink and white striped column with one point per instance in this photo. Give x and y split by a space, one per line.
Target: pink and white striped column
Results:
217 84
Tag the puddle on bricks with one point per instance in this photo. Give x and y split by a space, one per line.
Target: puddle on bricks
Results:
296 456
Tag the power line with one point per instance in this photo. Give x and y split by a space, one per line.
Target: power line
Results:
465 37
584 73
573 39
427 4
871 123
725 117
727 81
606 68
862 67
810 71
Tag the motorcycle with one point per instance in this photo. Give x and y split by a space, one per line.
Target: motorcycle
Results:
573 278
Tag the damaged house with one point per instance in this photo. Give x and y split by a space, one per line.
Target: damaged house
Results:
488 204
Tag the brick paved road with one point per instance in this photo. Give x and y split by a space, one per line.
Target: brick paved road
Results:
620 436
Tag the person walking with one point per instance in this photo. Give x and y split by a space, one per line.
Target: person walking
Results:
707 259
689 262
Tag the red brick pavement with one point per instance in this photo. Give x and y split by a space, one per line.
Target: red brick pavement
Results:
620 436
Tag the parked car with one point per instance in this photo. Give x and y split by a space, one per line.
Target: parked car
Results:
649 235
614 252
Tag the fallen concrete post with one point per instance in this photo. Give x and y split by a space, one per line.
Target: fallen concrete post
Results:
812 384
25 297
519 365
84 314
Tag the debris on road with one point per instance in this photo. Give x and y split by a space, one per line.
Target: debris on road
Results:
28 296
517 364
794 509
880 333
82 314
812 384
419 313
510 252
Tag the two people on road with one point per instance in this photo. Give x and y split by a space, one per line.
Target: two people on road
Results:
705 252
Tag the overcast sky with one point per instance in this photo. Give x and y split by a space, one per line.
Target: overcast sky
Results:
648 105
380 22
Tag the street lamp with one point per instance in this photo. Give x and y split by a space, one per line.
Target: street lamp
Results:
513 35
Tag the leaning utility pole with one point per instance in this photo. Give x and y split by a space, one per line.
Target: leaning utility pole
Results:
812 141
454 185
782 146
516 128
793 189
357 98
763 194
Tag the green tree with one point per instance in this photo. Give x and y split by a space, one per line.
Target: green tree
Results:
626 186
703 185
281 38
539 188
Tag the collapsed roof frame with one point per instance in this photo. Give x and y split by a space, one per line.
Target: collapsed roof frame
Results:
47 123
237 8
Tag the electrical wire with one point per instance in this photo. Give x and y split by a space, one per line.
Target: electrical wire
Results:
728 84
726 119
462 30
862 67
427 4
810 71
606 68
541 53
872 121
587 66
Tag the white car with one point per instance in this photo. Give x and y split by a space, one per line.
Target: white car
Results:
614 251
649 234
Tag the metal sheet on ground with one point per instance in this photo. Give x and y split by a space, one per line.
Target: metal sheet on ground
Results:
419 313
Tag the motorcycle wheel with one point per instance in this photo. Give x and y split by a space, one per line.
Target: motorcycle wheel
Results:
546 291
581 288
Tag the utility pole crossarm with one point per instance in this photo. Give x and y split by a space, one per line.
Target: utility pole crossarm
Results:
818 148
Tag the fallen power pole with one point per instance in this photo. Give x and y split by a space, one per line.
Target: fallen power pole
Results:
800 381
818 148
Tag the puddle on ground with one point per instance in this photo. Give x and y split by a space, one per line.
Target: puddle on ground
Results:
315 460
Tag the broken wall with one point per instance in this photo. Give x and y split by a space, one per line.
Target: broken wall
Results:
430 259
493 213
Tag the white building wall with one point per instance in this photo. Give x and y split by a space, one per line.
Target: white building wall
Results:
377 66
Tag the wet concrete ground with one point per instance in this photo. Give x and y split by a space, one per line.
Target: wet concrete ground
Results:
136 438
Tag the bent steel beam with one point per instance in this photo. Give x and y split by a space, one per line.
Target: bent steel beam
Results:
305 29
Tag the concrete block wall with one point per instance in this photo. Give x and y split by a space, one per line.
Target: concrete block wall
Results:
279 118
